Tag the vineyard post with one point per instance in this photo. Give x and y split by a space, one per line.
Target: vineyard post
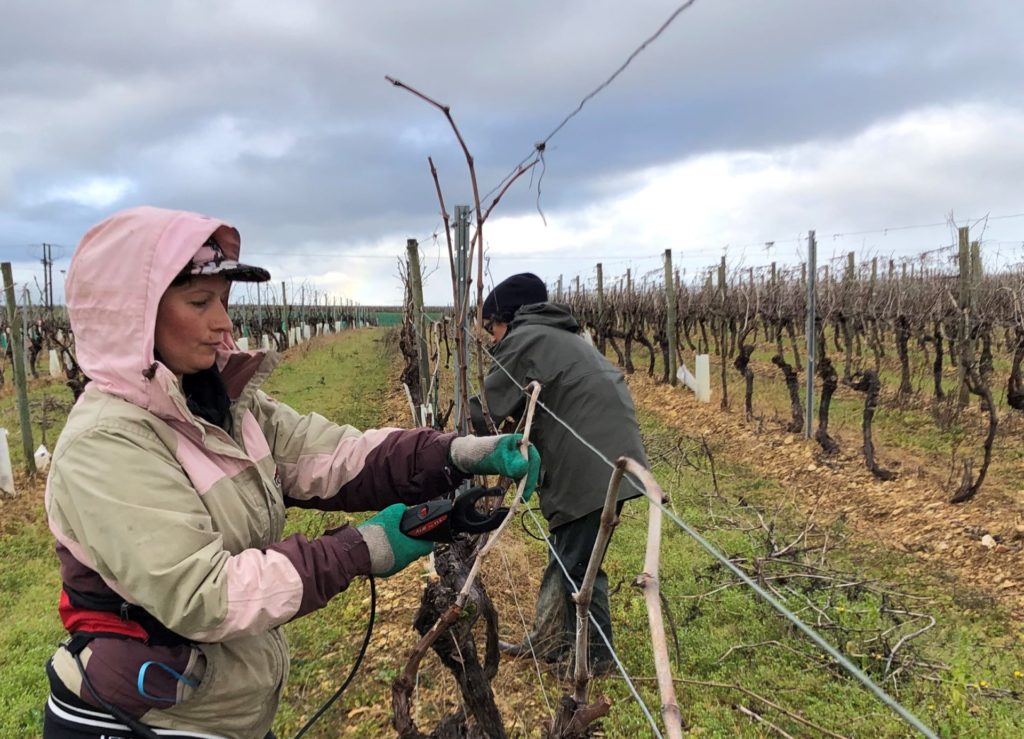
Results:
670 317
412 249
964 349
259 312
284 315
559 293
723 329
18 358
812 334
462 318
577 288
26 312
600 308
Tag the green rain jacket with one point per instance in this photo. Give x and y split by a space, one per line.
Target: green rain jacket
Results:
583 389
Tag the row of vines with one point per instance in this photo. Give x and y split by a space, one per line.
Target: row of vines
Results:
46 331
932 339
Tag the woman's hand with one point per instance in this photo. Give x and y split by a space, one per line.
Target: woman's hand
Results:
497 455
390 550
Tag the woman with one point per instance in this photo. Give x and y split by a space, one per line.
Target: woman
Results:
168 486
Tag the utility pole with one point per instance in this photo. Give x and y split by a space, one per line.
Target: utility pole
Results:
18 357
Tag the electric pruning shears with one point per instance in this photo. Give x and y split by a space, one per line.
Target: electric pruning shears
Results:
443 519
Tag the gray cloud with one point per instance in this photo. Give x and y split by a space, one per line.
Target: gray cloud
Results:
277 116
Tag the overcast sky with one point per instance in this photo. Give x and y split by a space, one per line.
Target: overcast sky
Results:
746 122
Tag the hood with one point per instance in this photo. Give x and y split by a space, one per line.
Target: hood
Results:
545 314
117 276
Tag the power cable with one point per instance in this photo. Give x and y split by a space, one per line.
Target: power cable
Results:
355 666
840 658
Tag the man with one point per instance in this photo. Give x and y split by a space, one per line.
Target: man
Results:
538 340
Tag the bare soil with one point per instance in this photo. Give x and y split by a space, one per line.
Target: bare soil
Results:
980 542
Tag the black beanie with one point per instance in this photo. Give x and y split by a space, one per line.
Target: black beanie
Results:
512 293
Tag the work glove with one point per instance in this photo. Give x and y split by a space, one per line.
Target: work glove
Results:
496 455
390 549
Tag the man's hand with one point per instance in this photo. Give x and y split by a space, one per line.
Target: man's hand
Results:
390 550
497 455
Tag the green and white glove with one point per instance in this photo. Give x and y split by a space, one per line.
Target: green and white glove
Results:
390 550
497 455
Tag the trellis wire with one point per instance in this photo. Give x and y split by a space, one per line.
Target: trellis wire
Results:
840 658
604 637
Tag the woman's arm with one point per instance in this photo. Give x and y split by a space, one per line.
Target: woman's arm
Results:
123 507
331 467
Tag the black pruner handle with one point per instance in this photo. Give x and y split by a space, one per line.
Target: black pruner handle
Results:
466 519
431 521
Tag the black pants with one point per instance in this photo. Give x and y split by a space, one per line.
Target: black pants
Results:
573 542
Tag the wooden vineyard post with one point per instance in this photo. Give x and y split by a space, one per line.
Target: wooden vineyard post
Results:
462 336
848 325
18 357
670 317
812 334
284 315
412 249
964 350
600 309
723 329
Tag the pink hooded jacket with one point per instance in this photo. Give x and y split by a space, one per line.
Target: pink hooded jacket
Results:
177 523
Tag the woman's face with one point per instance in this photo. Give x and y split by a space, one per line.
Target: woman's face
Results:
190 323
